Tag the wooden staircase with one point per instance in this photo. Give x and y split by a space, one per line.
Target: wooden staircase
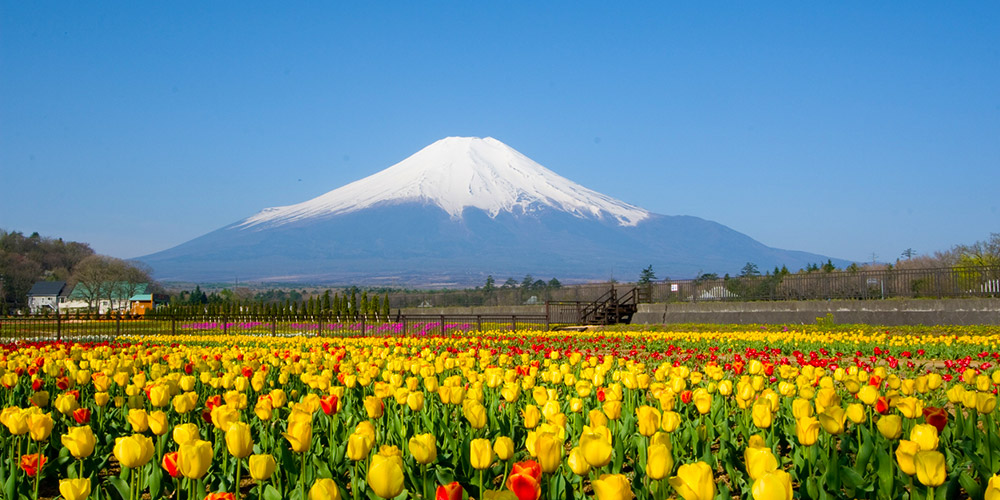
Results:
611 308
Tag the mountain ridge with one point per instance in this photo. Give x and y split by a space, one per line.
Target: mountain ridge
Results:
530 220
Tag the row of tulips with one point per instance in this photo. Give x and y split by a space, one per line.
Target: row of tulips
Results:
488 415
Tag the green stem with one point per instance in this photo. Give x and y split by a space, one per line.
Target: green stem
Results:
930 493
354 482
481 489
238 471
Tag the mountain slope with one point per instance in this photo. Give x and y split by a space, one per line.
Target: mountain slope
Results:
454 212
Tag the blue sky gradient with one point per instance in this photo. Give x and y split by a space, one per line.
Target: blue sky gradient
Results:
846 129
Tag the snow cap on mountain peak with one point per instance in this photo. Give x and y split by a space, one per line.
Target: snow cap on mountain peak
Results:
456 173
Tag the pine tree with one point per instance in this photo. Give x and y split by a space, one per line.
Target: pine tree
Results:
385 306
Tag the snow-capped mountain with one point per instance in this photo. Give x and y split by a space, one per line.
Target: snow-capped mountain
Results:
456 173
454 212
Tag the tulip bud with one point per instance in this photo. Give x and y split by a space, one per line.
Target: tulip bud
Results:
890 426
659 461
504 447
613 487
423 447
481 453
74 489
238 440
385 473
80 441
694 481
324 489
930 468
262 467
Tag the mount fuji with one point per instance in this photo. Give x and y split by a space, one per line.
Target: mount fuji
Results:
454 212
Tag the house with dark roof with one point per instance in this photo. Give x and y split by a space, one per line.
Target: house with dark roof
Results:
47 295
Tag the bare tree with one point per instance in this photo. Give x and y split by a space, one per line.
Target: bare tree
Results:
93 279
100 277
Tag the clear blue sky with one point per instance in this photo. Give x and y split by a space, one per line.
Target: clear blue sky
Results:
844 128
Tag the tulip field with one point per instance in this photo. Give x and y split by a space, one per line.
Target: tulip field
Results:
702 413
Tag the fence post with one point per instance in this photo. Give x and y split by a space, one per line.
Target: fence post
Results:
364 331
274 326
319 329
173 325
118 326
442 325
58 327
479 322
404 324
513 322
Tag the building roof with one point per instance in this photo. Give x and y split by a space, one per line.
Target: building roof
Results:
47 288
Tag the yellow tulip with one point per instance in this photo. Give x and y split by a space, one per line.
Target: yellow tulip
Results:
993 487
504 447
385 473
985 402
66 403
374 407
101 398
423 447
359 445
904 456
890 426
264 410
531 415
134 451
910 407
186 433
868 395
475 413
577 463
925 435
262 467
807 430
324 489
761 415
40 399
79 441
549 451
775 485
299 435
694 481
596 445
759 461
238 440
74 489
158 423
648 419
613 487
832 419
613 409
16 420
702 401
481 453
40 426
930 468
415 400
670 420
855 413
659 461
597 418
194 458
224 416
159 396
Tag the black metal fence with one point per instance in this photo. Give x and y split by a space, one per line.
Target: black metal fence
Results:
37 329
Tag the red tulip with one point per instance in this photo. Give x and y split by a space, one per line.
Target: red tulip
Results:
882 405
452 491
170 463
220 496
524 480
31 464
938 417
81 415
329 404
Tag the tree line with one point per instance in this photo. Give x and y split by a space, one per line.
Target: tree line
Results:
351 306
25 260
